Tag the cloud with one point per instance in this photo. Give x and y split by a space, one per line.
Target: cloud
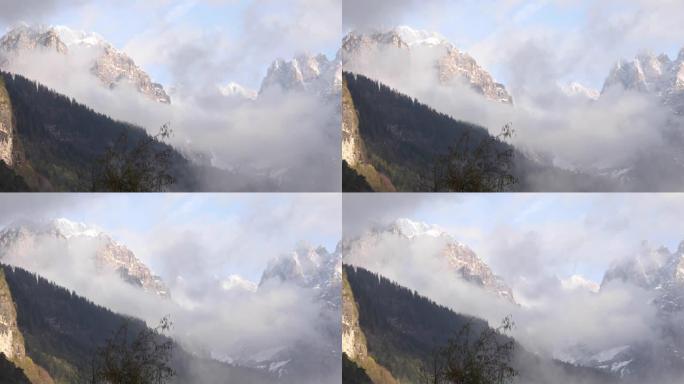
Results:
359 14
17 10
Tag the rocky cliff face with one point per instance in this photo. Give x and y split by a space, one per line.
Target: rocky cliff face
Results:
657 270
309 73
453 67
352 144
6 126
648 73
22 239
318 271
111 66
354 341
12 340
661 272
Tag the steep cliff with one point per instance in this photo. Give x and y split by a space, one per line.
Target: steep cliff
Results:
6 128
12 340
354 341
353 148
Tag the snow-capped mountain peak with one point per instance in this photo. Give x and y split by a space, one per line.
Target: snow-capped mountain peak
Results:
458 257
233 89
71 37
575 89
419 37
237 282
312 73
68 228
579 282
362 51
411 229
110 65
24 239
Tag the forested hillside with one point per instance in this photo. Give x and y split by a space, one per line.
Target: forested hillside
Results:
412 144
403 331
60 145
62 332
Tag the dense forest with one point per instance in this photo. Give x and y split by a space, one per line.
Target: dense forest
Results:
60 146
408 142
404 329
10 373
62 332
352 373
352 181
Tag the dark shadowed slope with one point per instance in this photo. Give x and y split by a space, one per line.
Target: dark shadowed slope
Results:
402 329
56 143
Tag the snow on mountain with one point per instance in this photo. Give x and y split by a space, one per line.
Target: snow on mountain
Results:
661 272
19 239
648 73
305 72
575 89
309 267
110 65
616 360
578 282
233 89
419 37
315 269
451 65
238 283
651 268
459 257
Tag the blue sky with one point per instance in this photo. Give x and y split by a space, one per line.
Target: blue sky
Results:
230 23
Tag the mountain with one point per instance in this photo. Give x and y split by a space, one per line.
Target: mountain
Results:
360 53
657 75
316 74
660 272
391 333
108 64
320 272
236 90
60 332
460 259
577 90
24 239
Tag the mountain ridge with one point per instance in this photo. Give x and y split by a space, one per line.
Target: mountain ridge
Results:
110 66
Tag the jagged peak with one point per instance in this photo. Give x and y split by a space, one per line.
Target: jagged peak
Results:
78 37
235 89
577 89
413 36
237 282
410 229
